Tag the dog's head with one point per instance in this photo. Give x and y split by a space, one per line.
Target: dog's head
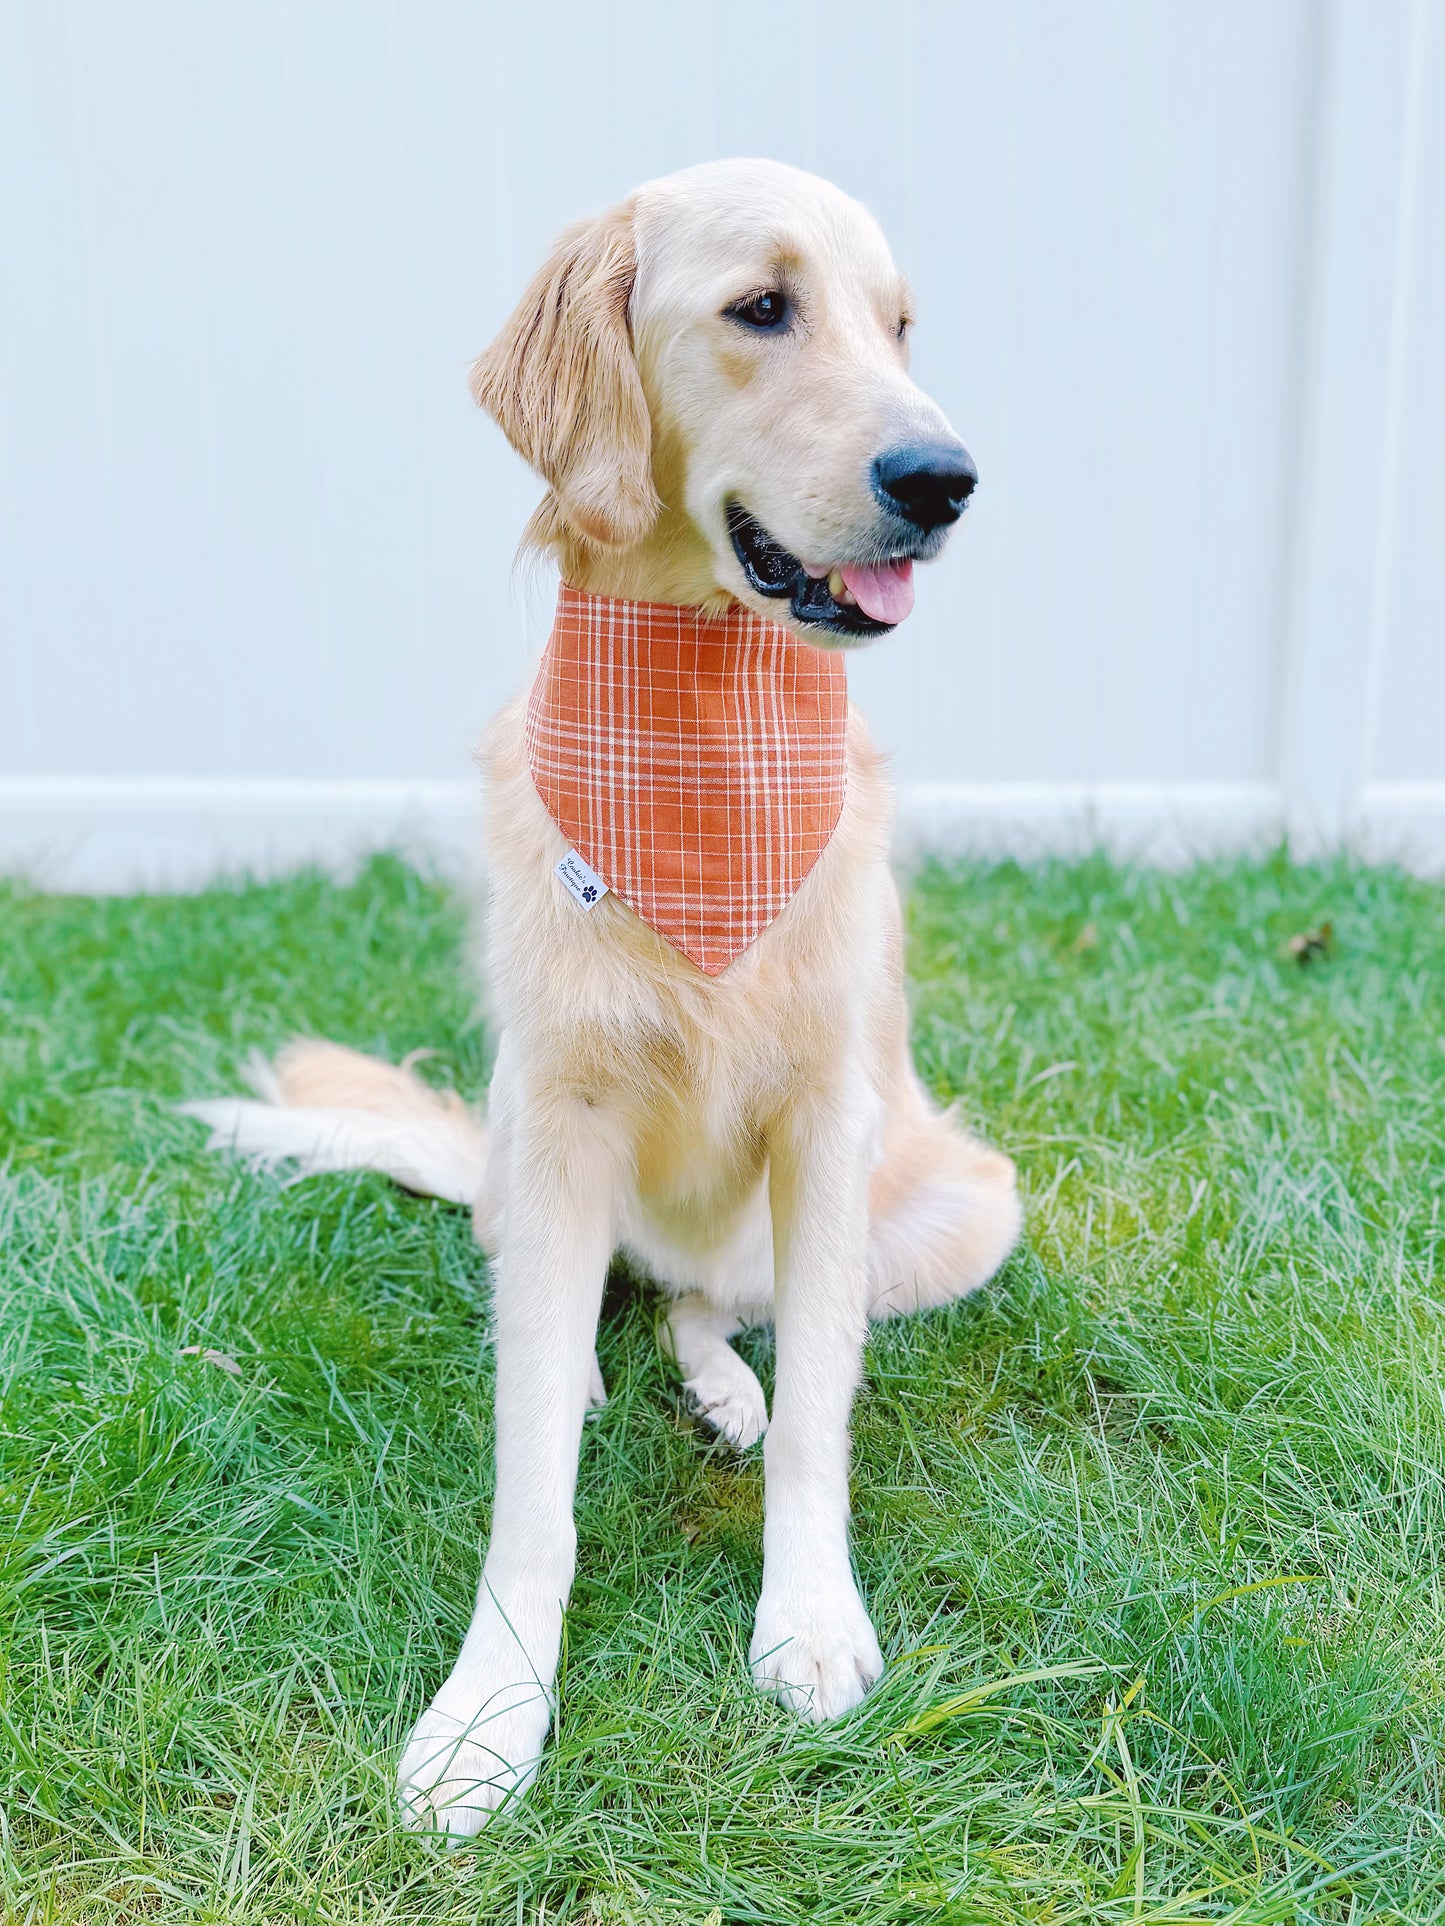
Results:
713 380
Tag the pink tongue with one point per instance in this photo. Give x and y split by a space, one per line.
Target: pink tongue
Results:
884 592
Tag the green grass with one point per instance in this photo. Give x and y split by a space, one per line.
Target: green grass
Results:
1186 1458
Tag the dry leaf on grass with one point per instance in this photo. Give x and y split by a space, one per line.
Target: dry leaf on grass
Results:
1309 945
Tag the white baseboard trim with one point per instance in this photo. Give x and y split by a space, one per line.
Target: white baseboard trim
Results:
1404 823
166 833
1165 823
110 835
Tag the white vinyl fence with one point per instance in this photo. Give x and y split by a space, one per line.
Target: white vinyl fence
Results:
1181 283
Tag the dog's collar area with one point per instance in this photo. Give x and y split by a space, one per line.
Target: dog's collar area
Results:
697 763
772 571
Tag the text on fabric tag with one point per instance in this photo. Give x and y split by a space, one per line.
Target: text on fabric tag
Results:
581 880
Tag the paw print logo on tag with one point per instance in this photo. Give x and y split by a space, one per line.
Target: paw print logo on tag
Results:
581 880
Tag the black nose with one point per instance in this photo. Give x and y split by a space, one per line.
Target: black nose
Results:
926 482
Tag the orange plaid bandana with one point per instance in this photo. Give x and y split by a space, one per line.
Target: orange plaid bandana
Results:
695 762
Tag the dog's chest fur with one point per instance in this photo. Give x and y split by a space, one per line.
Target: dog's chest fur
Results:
693 1068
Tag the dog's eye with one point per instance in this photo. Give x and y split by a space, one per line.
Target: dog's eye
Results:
905 322
764 311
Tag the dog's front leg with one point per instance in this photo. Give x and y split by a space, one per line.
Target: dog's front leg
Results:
481 1738
813 1645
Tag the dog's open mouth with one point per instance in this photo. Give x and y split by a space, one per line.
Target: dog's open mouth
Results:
853 598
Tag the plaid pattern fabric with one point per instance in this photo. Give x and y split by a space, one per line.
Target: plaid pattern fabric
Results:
696 762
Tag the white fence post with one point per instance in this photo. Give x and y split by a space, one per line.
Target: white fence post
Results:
1371 58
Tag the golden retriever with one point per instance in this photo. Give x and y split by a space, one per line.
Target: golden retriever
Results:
712 379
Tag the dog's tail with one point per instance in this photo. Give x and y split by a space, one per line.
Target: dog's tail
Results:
323 1107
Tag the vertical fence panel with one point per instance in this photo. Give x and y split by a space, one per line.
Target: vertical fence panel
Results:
1352 408
1408 715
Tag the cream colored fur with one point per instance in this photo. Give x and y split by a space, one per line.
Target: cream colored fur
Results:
759 1140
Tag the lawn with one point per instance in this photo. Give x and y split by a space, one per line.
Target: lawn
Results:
1152 1528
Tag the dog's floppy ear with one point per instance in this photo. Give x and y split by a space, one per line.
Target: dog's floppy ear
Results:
561 382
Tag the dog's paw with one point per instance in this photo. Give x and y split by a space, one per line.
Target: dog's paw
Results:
816 1652
456 1771
729 1400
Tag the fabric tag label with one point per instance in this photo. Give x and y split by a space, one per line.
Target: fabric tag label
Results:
582 881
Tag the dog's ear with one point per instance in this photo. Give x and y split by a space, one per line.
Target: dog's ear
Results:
561 382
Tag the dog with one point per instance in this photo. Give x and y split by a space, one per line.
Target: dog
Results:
712 380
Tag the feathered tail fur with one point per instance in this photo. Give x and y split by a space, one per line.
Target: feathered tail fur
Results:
323 1107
